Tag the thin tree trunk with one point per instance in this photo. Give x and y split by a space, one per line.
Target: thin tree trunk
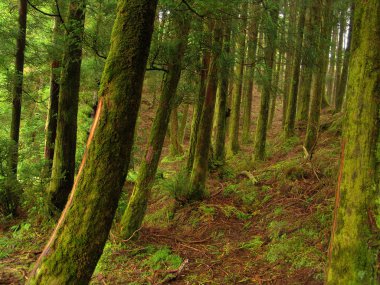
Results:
77 242
135 212
251 61
270 51
293 95
344 76
175 146
200 166
63 169
18 85
183 124
51 128
233 137
354 251
221 100
339 59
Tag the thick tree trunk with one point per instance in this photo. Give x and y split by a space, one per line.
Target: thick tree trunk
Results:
270 50
51 127
251 61
233 132
221 100
354 251
17 86
344 76
135 212
200 166
63 169
293 95
77 242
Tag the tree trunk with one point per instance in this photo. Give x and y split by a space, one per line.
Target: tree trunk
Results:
63 169
220 121
331 71
17 86
293 95
183 124
233 132
339 57
197 112
77 242
175 146
251 61
354 251
318 74
270 50
51 128
343 79
135 212
200 165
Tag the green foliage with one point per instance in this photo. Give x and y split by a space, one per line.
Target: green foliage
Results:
252 245
163 258
177 186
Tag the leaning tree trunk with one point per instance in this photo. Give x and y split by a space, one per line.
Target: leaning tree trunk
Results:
63 169
233 132
200 165
77 242
344 76
51 127
270 50
354 250
293 95
135 212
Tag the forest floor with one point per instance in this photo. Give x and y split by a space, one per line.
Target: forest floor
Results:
263 223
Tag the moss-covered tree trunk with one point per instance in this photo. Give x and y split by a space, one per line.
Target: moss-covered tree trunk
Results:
51 125
233 131
344 76
251 65
63 169
200 166
135 212
270 50
17 86
197 111
77 242
293 95
276 90
319 70
221 100
354 250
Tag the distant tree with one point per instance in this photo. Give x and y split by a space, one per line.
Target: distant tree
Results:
77 242
354 250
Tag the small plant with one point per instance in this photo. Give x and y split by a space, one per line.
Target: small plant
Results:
163 258
178 186
252 245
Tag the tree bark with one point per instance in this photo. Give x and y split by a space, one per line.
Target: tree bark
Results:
200 166
63 169
135 212
270 50
293 95
77 242
353 252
